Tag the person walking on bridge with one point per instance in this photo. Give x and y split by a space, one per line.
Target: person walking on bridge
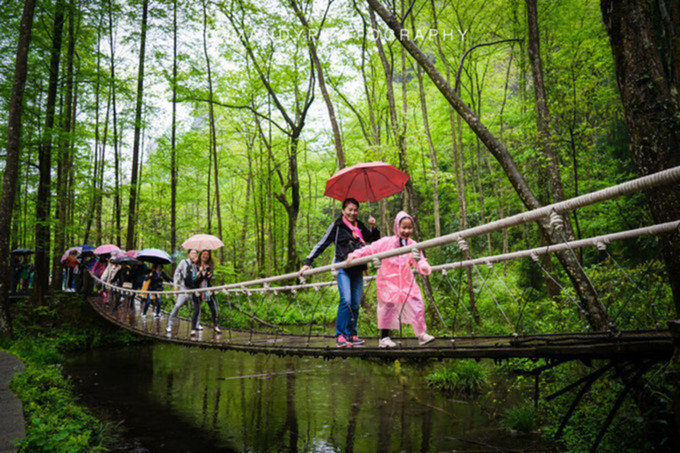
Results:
201 276
399 298
155 277
348 234
179 278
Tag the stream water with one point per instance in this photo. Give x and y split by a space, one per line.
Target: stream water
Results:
174 398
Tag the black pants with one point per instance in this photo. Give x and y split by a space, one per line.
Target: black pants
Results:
197 310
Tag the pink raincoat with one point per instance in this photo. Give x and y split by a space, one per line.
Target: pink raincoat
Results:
398 291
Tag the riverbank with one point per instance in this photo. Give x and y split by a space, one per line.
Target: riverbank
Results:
55 420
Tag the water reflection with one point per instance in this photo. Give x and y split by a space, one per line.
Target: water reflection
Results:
267 403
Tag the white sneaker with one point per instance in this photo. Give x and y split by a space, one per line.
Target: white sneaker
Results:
386 343
425 339
199 327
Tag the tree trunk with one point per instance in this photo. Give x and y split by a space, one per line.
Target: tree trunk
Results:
95 157
213 132
63 156
43 214
648 82
173 137
433 155
598 317
10 176
117 203
132 211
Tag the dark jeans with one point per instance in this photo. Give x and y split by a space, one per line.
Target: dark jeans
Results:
197 310
350 287
159 300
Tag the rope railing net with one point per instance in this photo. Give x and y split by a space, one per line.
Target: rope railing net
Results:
321 307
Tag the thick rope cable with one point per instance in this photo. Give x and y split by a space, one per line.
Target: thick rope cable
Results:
588 242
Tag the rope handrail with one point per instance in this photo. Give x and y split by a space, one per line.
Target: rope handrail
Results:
580 243
595 241
643 183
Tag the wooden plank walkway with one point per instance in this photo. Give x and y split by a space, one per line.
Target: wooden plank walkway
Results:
626 345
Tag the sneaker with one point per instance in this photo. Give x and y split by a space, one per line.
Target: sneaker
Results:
425 339
386 343
199 327
342 342
356 340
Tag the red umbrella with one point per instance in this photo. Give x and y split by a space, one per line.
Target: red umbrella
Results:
369 181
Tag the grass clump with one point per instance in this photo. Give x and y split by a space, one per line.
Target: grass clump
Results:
520 418
464 376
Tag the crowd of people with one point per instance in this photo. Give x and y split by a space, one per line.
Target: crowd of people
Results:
399 299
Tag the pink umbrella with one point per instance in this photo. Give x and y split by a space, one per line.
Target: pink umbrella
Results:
106 248
78 250
369 181
203 242
132 253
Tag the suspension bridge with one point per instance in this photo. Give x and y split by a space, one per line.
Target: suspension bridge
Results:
653 343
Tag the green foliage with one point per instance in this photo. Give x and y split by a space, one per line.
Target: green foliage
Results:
521 418
465 376
54 420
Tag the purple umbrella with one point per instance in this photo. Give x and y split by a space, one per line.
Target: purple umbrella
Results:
106 248
156 256
78 250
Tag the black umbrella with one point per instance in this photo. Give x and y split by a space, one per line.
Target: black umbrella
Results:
21 252
125 260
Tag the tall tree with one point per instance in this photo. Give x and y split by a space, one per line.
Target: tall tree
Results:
294 119
10 176
213 131
132 206
320 76
645 42
64 152
43 215
598 316
173 135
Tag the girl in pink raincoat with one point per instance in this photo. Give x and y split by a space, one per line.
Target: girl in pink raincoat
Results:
399 297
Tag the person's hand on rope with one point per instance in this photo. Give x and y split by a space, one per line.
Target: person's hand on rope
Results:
303 269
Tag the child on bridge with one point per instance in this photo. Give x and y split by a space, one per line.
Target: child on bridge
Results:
399 298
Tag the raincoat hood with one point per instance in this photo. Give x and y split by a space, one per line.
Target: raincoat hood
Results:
401 215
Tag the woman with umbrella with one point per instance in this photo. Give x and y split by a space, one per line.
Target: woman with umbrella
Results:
347 233
370 181
201 275
155 276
